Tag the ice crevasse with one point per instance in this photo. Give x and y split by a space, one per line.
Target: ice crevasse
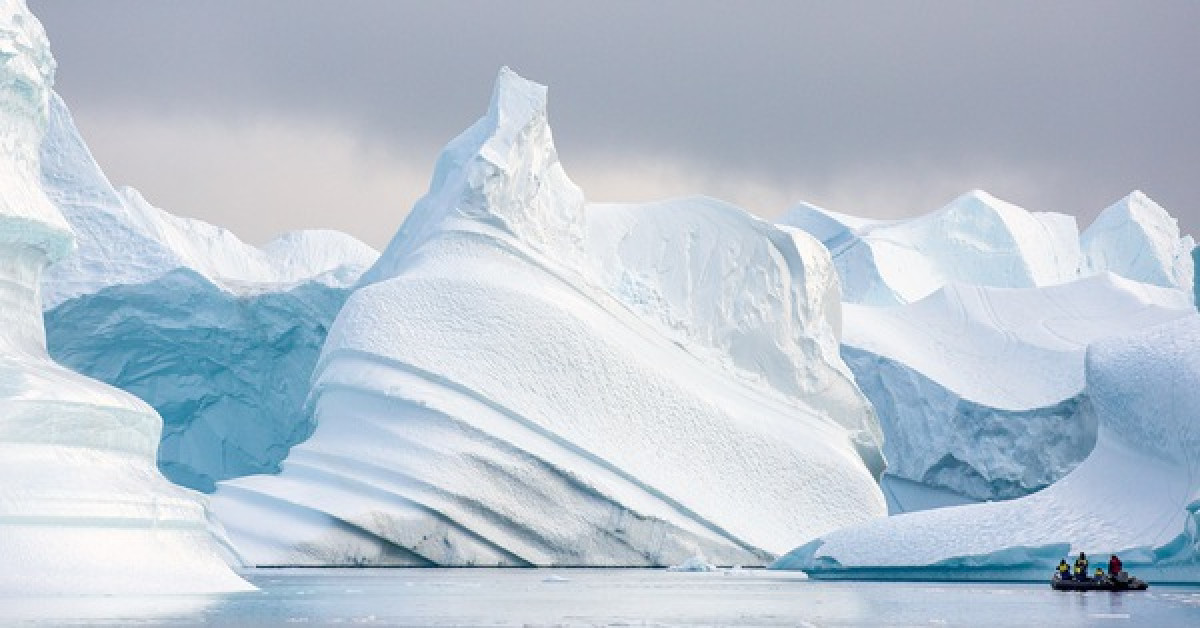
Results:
82 507
527 379
218 335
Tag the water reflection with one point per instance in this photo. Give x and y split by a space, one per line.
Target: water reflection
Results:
605 597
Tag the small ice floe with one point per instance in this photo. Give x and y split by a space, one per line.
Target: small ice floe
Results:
555 578
695 563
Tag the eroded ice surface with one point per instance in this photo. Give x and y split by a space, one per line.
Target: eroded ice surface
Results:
980 391
527 379
219 336
1135 495
82 507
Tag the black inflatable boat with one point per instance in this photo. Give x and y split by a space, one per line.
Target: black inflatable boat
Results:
1123 582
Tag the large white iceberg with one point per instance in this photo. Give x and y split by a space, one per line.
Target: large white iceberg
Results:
966 328
981 240
219 336
980 391
82 507
525 379
1135 495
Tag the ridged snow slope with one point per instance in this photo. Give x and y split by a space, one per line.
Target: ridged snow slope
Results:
980 240
980 391
525 379
219 336
1136 495
82 508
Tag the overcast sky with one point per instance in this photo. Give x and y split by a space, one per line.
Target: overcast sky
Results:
269 115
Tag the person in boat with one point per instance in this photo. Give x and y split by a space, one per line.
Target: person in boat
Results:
1099 574
1081 565
1064 571
1114 566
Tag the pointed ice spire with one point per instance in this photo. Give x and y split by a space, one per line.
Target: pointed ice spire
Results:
501 176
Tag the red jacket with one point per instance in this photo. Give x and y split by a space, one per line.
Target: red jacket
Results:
1114 566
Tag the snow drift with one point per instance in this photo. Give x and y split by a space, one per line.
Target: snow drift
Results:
525 379
82 508
219 336
1135 495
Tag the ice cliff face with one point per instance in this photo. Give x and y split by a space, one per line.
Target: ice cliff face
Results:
1135 495
525 379
219 336
82 508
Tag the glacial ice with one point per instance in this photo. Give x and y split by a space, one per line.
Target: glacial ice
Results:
219 336
1136 238
82 508
1135 495
966 329
981 240
980 391
526 379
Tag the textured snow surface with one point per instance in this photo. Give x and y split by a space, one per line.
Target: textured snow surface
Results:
1135 495
980 240
527 379
82 507
980 390
219 336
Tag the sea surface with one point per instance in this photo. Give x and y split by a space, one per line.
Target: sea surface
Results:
609 597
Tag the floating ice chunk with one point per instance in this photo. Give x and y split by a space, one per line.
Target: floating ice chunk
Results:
695 563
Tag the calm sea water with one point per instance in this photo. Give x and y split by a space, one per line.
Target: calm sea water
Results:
618 597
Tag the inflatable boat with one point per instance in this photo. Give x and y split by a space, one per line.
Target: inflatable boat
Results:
1123 582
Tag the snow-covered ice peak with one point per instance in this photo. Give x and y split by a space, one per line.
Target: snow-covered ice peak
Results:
501 176
1136 238
27 217
524 379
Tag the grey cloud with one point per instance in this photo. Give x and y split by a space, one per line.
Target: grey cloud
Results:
1062 106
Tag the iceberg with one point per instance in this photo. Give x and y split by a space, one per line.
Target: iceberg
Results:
219 336
82 508
977 239
1135 495
527 379
1136 238
981 240
980 391
966 328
